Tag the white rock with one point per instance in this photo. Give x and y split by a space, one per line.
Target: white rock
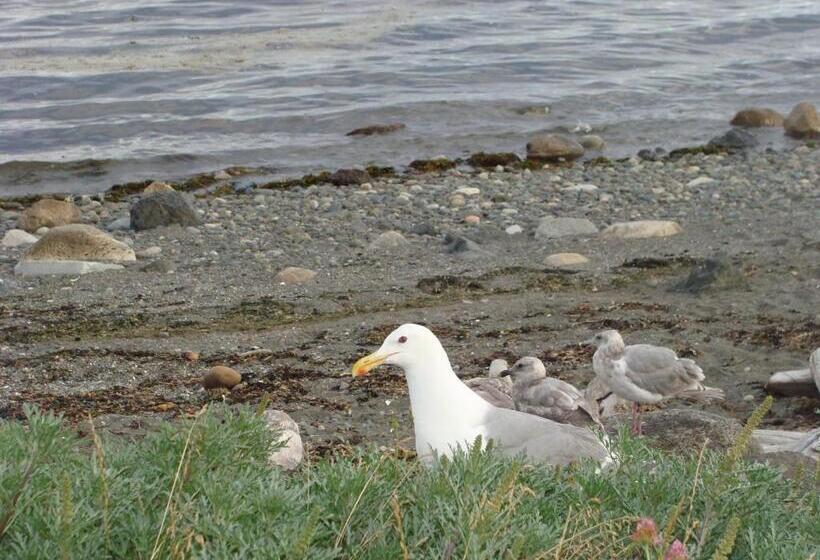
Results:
62 268
17 237
222 175
290 454
559 260
468 191
581 187
642 229
514 229
41 231
389 240
700 181
793 383
499 168
149 252
497 366
550 227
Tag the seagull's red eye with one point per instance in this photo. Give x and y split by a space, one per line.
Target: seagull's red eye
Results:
402 339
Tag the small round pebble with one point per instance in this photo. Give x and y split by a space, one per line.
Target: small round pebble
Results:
221 376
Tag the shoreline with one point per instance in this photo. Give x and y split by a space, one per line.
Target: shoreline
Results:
113 344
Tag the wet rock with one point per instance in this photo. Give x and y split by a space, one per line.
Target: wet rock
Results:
793 383
553 147
550 227
376 129
592 142
18 237
484 160
712 274
462 246
287 450
642 229
120 224
221 377
62 268
388 240
222 175
561 260
293 275
802 121
79 242
149 252
344 177
652 155
157 187
755 117
432 165
163 209
48 213
735 139
684 431
244 186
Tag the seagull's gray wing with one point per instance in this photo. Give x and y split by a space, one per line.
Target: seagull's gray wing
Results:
554 399
487 389
502 384
659 370
542 440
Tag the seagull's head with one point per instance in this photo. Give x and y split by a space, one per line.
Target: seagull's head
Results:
526 369
408 346
607 338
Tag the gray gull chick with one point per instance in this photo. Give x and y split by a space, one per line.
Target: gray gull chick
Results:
643 373
535 393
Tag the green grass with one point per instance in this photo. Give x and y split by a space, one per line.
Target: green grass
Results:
203 490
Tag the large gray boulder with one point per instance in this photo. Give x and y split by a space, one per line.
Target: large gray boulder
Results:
163 209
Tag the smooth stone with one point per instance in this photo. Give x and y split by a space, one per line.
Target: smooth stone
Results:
157 187
755 117
497 366
293 275
581 187
62 268
472 219
49 213
457 200
793 383
514 229
712 274
468 191
802 121
190 356
18 237
41 231
642 229
344 177
559 260
287 451
222 175
684 430
389 240
120 224
592 142
163 209
553 147
149 252
700 181
550 227
376 129
221 377
79 242
735 139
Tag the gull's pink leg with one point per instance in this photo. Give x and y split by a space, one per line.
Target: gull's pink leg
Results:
636 426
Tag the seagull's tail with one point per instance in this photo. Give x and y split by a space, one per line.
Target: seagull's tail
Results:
702 393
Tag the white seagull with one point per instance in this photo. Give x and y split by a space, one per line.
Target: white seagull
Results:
447 415
643 373
535 393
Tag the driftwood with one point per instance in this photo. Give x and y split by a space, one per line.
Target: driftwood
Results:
777 441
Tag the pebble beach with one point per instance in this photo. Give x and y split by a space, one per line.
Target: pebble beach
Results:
289 285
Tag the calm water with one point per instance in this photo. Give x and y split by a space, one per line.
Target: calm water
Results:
94 92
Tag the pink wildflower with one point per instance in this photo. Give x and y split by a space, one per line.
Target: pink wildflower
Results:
676 551
646 532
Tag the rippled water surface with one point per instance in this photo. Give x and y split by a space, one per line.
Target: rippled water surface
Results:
94 92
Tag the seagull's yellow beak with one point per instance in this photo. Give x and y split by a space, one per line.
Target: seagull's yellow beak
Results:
367 363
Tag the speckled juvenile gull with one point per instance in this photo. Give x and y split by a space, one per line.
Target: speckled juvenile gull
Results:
643 373
447 415
494 389
548 397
